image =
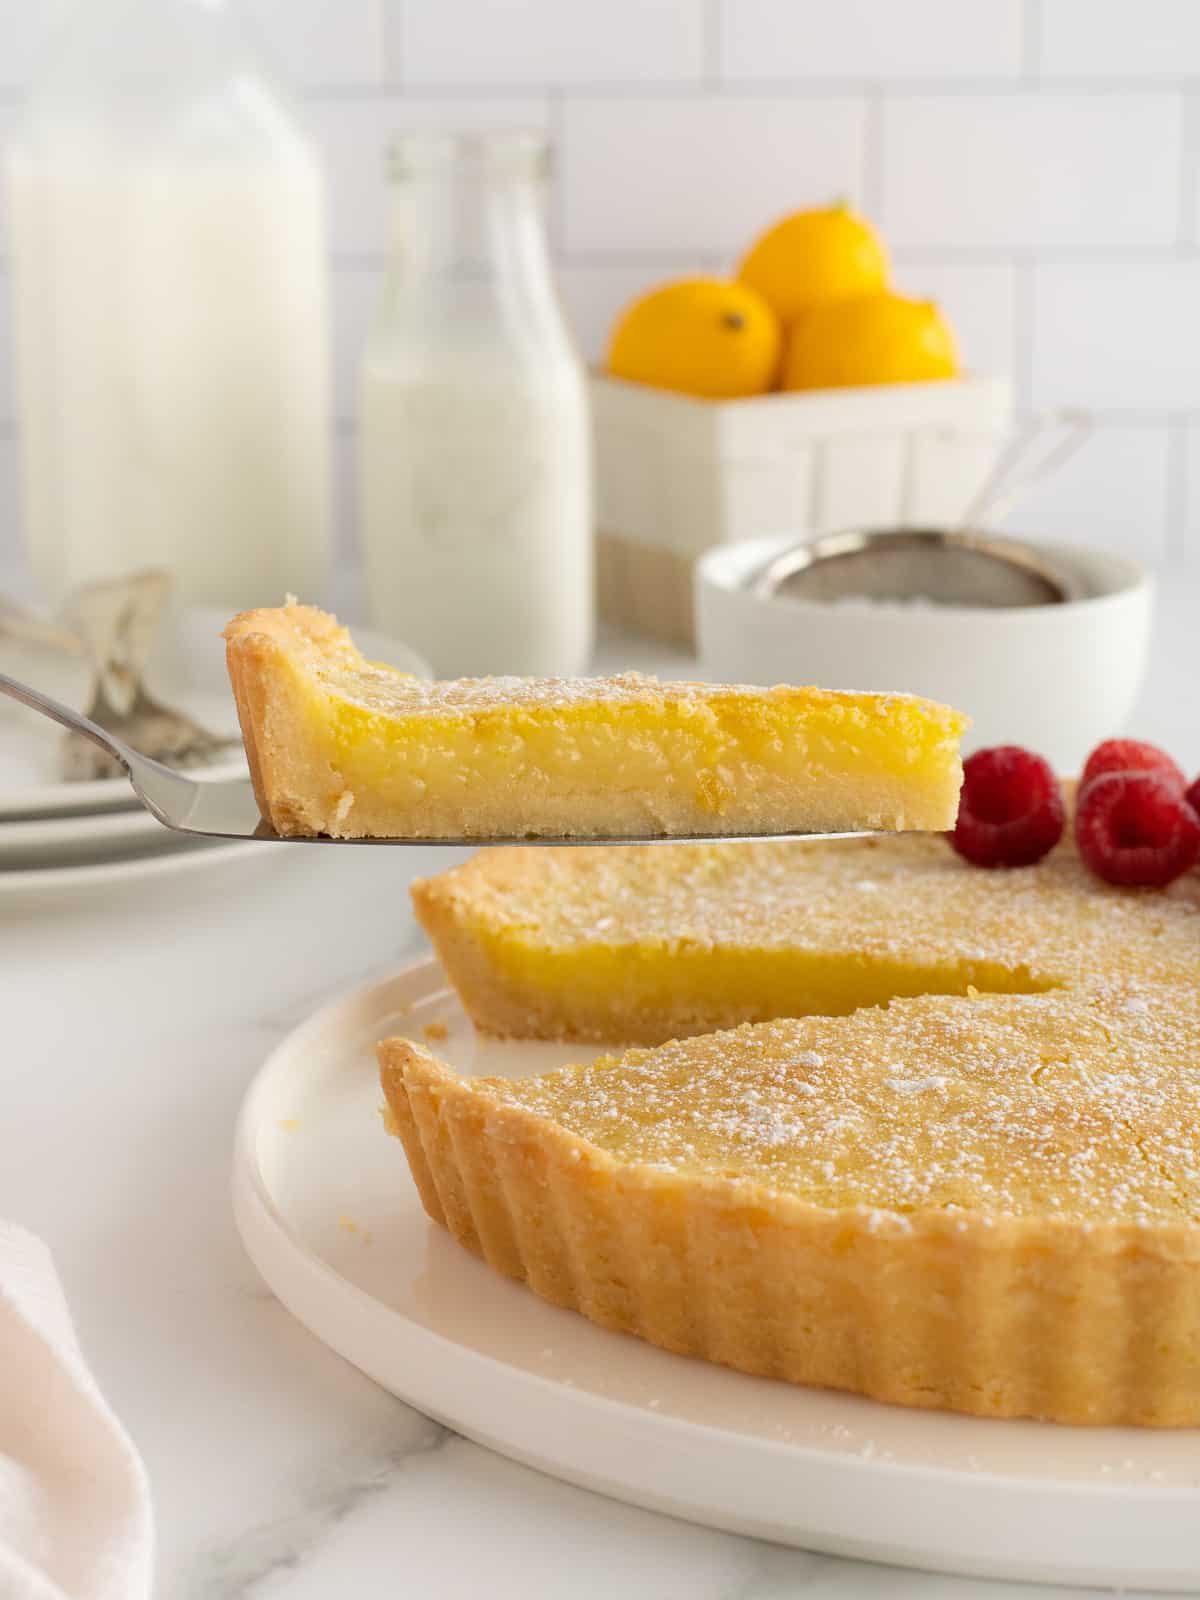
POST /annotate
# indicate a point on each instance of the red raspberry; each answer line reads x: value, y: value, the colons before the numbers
x: 1010, y: 812
x: 1193, y: 797
x: 1136, y: 828
x: 1129, y: 755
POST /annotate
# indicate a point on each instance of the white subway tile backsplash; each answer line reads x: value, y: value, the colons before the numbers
x: 594, y: 296
x: 693, y: 174
x: 1118, y: 337
x: 321, y: 43
x: 876, y: 40
x: 25, y: 32
x: 1027, y: 157
x: 1031, y: 171
x: 1118, y: 39
x: 979, y: 298
x: 1115, y: 492
x: 549, y: 41
x: 860, y: 482
x: 354, y: 135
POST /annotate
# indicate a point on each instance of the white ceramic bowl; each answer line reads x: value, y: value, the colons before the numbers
x: 1056, y: 679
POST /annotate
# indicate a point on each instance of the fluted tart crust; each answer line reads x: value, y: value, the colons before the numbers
x: 988, y: 1204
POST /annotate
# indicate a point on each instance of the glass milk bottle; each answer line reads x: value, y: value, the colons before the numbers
x: 170, y: 312
x: 475, y: 432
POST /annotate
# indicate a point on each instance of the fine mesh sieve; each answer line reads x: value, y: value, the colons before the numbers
x: 917, y: 565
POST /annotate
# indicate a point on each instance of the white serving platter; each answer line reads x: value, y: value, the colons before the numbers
x: 89, y: 837
x: 39, y: 888
x: 328, y: 1213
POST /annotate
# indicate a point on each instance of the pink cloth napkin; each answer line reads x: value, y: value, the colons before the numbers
x: 75, y: 1518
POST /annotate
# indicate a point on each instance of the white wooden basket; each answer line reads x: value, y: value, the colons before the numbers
x: 676, y: 476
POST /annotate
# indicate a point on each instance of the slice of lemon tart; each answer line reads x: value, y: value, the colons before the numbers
x: 629, y: 946
x: 989, y: 1204
x: 339, y: 745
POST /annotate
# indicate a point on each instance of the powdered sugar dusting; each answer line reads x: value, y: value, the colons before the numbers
x: 945, y: 924
x: 1075, y: 1092
x: 381, y: 688
x: 1068, y: 1105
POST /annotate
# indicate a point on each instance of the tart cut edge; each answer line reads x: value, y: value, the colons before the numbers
x: 343, y: 746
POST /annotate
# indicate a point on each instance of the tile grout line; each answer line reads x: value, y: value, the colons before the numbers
x: 389, y: 34
x: 1031, y: 41
x: 706, y: 88
x: 872, y: 177
x: 935, y: 255
x: 1095, y: 254
x: 600, y: 260
x: 1175, y: 544
x: 1023, y: 333
x: 1189, y: 168
x: 710, y: 24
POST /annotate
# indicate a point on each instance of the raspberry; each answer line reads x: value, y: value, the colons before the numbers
x: 1129, y: 755
x: 1193, y: 797
x: 1136, y: 828
x: 1010, y: 812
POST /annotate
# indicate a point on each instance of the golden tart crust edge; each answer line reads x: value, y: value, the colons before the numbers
x: 993, y: 1316
x: 260, y: 650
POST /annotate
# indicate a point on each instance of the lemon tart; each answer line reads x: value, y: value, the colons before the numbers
x: 989, y: 1204
x: 626, y: 946
x: 341, y: 746
x: 901, y: 1186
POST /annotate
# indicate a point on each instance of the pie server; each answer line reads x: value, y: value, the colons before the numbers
x: 225, y: 808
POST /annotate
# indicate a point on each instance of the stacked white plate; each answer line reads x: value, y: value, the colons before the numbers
x: 57, y: 836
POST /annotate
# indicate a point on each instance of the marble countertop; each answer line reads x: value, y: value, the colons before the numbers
x: 132, y: 1026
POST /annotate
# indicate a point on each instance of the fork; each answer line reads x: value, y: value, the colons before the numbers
x: 117, y: 621
x: 225, y: 808
x: 145, y: 725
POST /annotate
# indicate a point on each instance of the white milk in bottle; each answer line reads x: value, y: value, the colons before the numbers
x: 475, y: 433
x: 170, y: 314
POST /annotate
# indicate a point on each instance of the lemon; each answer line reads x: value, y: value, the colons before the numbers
x: 700, y: 336
x: 813, y: 256
x: 873, y: 338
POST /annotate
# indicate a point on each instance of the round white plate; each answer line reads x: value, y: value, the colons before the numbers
x: 54, y: 885
x: 330, y: 1216
x: 187, y: 672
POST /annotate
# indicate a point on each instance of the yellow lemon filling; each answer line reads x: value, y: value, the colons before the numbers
x: 619, y: 945
x: 705, y: 987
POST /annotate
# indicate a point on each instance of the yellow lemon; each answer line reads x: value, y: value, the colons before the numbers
x: 814, y: 256
x: 700, y: 336
x: 875, y: 338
